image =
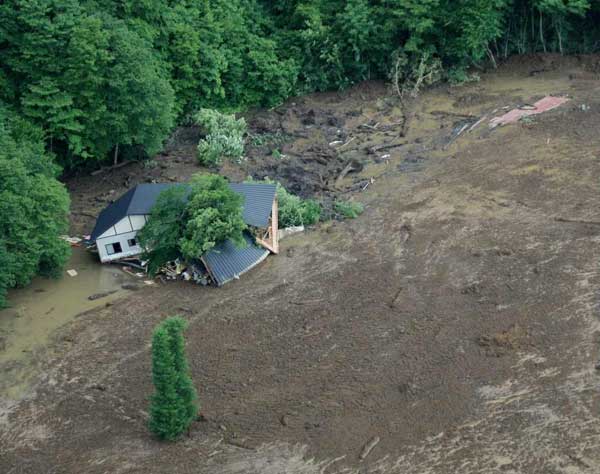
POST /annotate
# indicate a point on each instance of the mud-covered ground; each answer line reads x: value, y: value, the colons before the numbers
x: 456, y: 319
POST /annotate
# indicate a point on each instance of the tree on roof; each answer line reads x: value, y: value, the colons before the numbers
x: 214, y: 214
x: 161, y: 234
x: 189, y: 225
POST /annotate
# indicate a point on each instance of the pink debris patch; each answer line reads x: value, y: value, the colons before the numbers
x: 542, y: 105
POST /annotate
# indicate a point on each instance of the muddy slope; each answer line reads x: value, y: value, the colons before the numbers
x: 456, y: 319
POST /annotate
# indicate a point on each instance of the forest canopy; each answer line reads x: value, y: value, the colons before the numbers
x: 108, y: 79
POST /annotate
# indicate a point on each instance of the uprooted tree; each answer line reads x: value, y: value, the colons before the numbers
x: 187, y: 221
x: 174, y: 404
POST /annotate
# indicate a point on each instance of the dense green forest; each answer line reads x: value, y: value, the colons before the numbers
x: 101, y: 80
x: 105, y: 76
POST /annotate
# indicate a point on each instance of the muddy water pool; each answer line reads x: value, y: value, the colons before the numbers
x: 45, y: 305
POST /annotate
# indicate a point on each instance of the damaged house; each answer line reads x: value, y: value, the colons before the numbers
x: 118, y: 224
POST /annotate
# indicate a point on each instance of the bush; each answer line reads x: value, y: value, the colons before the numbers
x: 224, y: 137
x: 410, y: 75
x: 174, y: 403
x: 349, y: 209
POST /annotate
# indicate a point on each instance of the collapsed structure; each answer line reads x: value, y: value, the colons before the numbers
x: 115, y: 231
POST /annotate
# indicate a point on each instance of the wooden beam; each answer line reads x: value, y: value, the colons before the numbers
x: 275, y: 225
x: 271, y: 240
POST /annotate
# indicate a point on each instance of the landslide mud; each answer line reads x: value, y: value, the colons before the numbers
x: 456, y: 319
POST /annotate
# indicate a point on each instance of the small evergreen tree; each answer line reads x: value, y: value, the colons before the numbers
x: 185, y: 388
x: 173, y: 406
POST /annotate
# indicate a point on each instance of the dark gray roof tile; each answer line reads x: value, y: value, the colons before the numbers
x: 226, y: 261
x: 258, y: 201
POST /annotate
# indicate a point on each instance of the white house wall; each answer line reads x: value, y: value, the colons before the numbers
x: 124, y: 230
x: 128, y: 251
x: 110, y: 231
x: 127, y: 224
x: 137, y: 222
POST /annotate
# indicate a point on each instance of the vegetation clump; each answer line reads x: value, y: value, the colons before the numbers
x: 174, y: 404
x: 224, y: 137
x: 187, y: 221
x: 34, y: 207
x: 294, y: 211
x: 349, y: 209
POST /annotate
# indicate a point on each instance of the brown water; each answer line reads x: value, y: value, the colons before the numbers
x: 44, y: 306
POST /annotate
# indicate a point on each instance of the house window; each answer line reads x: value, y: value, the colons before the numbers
x: 113, y: 248
x: 131, y: 242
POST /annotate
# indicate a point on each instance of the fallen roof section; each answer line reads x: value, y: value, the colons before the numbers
x: 226, y: 261
x: 257, y: 205
x: 542, y: 105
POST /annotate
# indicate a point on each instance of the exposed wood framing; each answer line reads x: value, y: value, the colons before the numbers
x: 270, y: 239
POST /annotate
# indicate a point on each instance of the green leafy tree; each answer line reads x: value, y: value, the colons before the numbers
x: 164, y: 229
x: 140, y: 98
x: 214, y: 214
x: 173, y: 404
x: 558, y: 11
x: 33, y: 207
x: 187, y: 221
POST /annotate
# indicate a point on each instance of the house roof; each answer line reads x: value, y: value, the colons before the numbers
x: 258, y: 201
x: 226, y: 261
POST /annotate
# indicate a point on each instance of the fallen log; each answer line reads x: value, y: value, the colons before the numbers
x: 389, y: 146
x: 576, y: 221
x: 369, y: 447
x: 111, y: 168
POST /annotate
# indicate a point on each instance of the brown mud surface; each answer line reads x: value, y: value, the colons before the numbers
x: 456, y: 319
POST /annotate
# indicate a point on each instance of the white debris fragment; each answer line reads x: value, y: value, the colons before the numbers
x: 282, y: 233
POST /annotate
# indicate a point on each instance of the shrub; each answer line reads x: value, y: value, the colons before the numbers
x: 411, y: 74
x: 224, y: 137
x: 349, y: 209
x: 174, y: 402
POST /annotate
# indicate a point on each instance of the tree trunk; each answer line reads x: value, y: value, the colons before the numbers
x: 559, y: 34
x: 116, y: 157
x: 542, y: 33
x: 491, y: 55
